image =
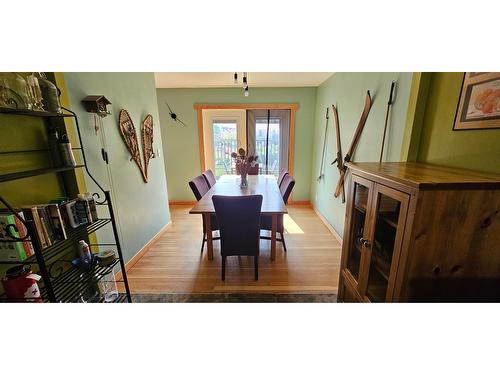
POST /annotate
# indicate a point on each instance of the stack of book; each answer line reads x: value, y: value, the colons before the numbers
x: 52, y: 223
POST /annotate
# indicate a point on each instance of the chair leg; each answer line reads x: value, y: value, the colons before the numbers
x: 283, y: 241
x: 223, y: 275
x: 203, y: 242
x: 256, y: 266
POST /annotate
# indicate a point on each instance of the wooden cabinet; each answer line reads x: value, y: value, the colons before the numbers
x: 417, y: 232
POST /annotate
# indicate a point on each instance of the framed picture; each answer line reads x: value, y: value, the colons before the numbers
x: 479, y: 104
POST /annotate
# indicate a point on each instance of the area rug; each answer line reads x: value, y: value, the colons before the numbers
x: 235, y: 297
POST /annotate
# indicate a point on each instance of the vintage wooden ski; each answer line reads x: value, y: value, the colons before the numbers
x: 338, y: 159
x: 354, y: 143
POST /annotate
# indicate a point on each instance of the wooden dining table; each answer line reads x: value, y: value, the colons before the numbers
x: 265, y: 185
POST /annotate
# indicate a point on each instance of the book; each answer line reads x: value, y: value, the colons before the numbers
x: 10, y: 250
x: 58, y: 225
x: 46, y: 221
x: 31, y: 213
x: 23, y: 231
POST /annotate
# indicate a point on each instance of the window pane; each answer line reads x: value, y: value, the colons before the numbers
x: 225, y: 142
x: 273, y: 144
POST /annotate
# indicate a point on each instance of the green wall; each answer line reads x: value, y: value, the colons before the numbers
x: 141, y: 208
x: 182, y: 156
x: 347, y: 91
x: 439, y: 144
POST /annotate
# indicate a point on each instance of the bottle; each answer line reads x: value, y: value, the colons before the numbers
x: 85, y: 254
x: 50, y: 94
x: 82, y: 209
x: 53, y: 140
x: 14, y: 91
x: 66, y: 152
x: 92, y: 206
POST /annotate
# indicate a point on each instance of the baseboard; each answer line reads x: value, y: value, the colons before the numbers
x: 328, y: 225
x: 300, y: 203
x: 143, y: 251
x: 182, y: 203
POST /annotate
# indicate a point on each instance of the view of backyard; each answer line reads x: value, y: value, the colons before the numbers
x: 225, y: 142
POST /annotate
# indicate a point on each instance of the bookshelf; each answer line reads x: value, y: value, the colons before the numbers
x: 60, y: 280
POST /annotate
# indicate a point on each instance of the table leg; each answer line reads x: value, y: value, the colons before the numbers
x: 274, y: 227
x: 210, y: 243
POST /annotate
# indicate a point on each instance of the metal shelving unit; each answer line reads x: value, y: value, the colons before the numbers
x: 71, y: 283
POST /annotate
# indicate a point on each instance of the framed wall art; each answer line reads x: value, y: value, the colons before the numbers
x: 479, y: 104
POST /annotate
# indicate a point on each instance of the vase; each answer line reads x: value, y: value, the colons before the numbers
x: 244, y: 181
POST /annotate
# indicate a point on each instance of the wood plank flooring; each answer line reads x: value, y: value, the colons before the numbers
x: 174, y: 263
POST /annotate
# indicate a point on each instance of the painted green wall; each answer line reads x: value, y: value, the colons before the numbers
x: 472, y: 149
x: 182, y: 156
x: 141, y: 208
x: 347, y: 91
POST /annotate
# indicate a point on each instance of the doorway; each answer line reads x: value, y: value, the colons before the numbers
x: 263, y: 130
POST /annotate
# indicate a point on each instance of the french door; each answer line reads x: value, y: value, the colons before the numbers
x: 261, y: 132
x: 224, y: 133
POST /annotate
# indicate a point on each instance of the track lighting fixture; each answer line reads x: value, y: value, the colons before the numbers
x: 245, y: 82
x: 246, y: 91
x: 235, y: 78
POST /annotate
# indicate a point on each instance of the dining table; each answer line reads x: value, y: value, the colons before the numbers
x: 229, y: 185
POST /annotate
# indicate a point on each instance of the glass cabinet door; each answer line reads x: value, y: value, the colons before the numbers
x: 358, y: 212
x: 385, y: 242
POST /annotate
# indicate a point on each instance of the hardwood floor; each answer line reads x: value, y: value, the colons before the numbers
x: 174, y: 262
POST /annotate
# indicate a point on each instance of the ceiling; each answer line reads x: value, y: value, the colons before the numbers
x: 220, y: 79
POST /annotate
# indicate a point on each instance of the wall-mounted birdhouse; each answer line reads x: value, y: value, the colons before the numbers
x: 96, y: 104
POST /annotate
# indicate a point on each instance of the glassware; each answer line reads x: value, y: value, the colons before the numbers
x: 50, y: 94
x: 14, y: 91
x: 35, y: 94
x: 107, y: 286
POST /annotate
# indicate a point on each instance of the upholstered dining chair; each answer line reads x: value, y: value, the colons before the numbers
x: 281, y: 176
x: 209, y: 177
x: 239, y: 227
x: 200, y: 187
x: 266, y: 220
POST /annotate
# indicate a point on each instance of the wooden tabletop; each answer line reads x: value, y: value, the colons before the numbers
x: 422, y: 176
x: 265, y: 185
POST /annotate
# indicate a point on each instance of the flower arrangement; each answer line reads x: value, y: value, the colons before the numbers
x: 243, y: 164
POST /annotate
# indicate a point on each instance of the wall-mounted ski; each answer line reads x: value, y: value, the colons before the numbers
x: 354, y: 143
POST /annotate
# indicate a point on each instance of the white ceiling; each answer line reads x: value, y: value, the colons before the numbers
x: 198, y: 79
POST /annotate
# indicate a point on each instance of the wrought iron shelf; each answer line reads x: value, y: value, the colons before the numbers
x: 35, y: 172
x: 25, y: 112
x: 58, y: 247
x: 71, y: 282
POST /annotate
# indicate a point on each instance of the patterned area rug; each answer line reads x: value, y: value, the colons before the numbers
x: 235, y: 297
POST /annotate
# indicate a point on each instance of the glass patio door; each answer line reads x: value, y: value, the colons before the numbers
x: 268, y: 136
x: 224, y: 133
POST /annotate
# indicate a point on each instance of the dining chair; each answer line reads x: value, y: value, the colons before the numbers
x: 281, y: 176
x: 254, y: 170
x: 266, y: 220
x: 209, y: 177
x: 200, y: 187
x: 239, y: 227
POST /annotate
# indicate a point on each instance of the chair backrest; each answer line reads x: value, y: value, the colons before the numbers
x: 239, y: 223
x: 199, y: 186
x: 281, y: 176
x: 254, y: 170
x: 287, y: 187
x: 209, y: 177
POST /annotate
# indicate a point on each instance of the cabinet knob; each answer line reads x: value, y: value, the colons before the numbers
x: 365, y: 243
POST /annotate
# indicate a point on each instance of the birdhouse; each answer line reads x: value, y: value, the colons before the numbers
x: 96, y: 104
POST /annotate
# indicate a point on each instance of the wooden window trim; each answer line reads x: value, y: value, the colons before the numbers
x: 291, y: 106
